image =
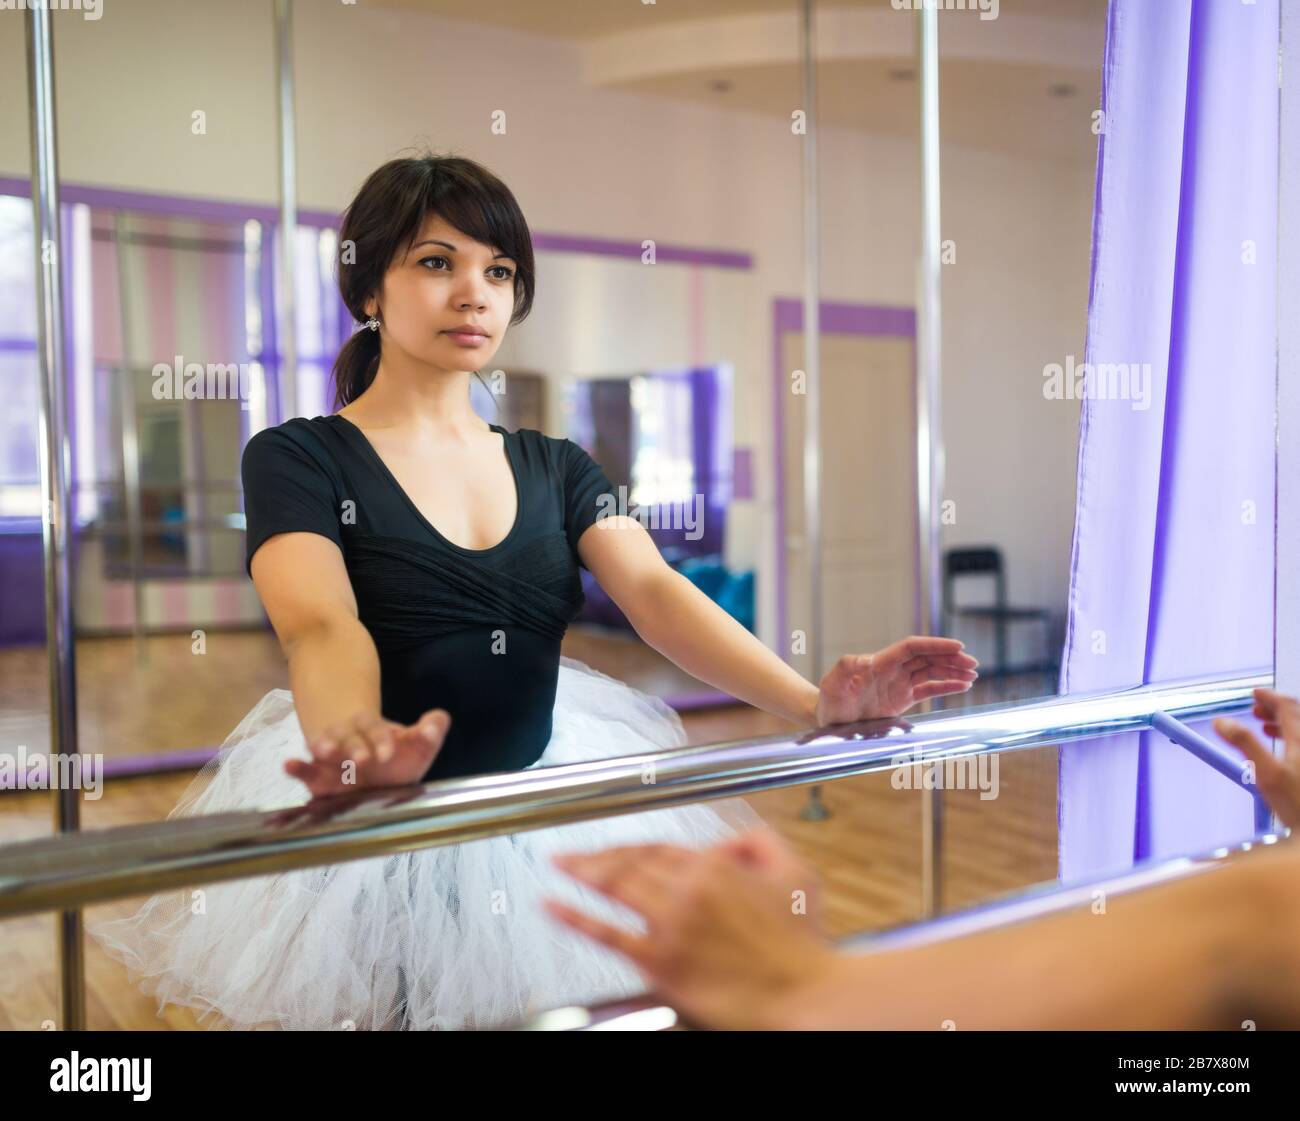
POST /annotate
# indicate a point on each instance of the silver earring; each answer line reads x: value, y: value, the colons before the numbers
x: 372, y: 323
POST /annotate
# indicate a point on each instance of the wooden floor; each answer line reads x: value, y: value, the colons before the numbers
x: 867, y: 852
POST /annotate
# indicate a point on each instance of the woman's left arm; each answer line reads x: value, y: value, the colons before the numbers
x: 672, y: 615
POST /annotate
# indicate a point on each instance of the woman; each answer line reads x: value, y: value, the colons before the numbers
x: 420, y: 567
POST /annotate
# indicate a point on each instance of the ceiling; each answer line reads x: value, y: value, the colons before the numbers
x: 591, y: 19
x: 1025, y: 83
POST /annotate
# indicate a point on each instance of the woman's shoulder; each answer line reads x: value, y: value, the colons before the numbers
x: 557, y: 447
x: 552, y: 450
x: 296, y: 444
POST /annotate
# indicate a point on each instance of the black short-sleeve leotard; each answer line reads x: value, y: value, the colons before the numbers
x: 476, y: 632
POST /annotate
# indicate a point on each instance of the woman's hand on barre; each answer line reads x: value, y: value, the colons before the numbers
x: 369, y: 751
x: 889, y: 682
x: 1278, y: 779
x: 732, y: 931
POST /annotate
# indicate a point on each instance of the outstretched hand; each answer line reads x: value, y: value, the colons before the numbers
x: 369, y: 751
x: 1278, y: 779
x: 889, y: 682
x: 733, y: 932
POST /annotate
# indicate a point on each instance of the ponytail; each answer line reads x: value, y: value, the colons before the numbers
x: 356, y: 366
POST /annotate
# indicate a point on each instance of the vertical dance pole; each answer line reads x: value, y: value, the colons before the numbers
x: 815, y: 809
x: 929, y: 429
x: 56, y: 507
x: 1286, y: 602
x: 286, y: 275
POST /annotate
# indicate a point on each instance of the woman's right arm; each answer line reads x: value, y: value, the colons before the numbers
x: 333, y: 663
x: 334, y: 673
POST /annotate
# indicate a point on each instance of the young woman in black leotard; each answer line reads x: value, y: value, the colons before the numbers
x: 420, y: 567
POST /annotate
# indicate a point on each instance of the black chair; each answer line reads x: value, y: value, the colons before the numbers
x: 986, y: 561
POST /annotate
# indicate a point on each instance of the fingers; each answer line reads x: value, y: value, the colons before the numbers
x: 365, y: 737
x: 957, y: 662
x: 1244, y: 741
x: 367, y: 741
x: 433, y: 725
x: 635, y: 947
x: 319, y: 778
x: 642, y: 877
x: 372, y: 738
x: 939, y: 689
x: 916, y: 645
x: 1279, y: 712
x: 933, y: 672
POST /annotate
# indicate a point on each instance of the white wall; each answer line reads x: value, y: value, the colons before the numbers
x: 374, y: 83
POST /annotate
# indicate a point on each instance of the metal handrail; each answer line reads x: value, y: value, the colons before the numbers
x: 648, y: 1013
x: 99, y: 865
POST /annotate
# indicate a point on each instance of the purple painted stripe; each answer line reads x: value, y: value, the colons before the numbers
x: 141, y: 766
x: 223, y: 210
x: 849, y: 319
x: 136, y: 766
x: 742, y: 473
x: 175, y: 205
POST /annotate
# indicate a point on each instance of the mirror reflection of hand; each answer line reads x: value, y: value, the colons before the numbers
x: 367, y: 750
x: 1278, y: 779
x: 889, y: 682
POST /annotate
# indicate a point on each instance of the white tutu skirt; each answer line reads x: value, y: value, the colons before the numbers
x: 450, y: 937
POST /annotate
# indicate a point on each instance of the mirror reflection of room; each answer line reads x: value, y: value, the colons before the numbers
x: 830, y: 492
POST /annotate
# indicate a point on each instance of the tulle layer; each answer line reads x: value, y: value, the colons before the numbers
x: 452, y: 937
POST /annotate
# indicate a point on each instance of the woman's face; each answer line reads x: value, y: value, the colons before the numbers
x: 445, y: 281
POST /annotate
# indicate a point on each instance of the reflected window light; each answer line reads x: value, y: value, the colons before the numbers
x: 309, y: 314
x: 20, y: 489
x: 253, y: 288
x: 663, y: 464
x: 86, y: 496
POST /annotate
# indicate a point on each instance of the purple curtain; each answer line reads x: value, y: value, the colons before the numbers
x: 1172, y: 566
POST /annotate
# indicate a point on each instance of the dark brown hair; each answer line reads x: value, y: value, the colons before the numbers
x: 384, y: 220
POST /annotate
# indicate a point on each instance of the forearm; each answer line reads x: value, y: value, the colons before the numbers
x: 1205, y: 953
x: 687, y: 627
x: 334, y: 674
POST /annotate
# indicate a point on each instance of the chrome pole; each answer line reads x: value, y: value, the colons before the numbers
x: 929, y: 426
x: 812, y: 461
x: 286, y: 274
x: 815, y: 809
x: 56, y: 505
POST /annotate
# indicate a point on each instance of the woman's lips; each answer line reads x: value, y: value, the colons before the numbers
x: 466, y: 339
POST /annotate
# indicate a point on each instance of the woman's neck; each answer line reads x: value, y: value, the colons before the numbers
x: 433, y: 404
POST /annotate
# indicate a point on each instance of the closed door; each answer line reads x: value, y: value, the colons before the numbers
x: 868, y: 488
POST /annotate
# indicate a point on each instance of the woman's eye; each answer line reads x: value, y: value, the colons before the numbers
x: 509, y: 272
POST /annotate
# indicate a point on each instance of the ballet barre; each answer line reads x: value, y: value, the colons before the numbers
x: 93, y: 866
